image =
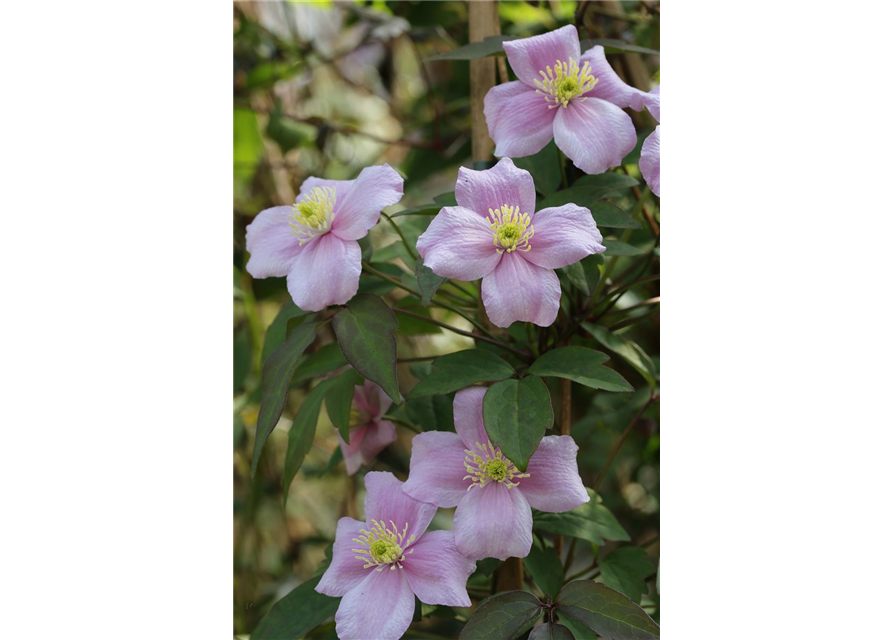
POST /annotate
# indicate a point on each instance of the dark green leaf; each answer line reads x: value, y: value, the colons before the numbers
x: 374, y: 284
x: 606, y: 214
x: 462, y: 369
x: 431, y: 413
x: 581, y: 365
x: 616, y: 46
x: 276, y: 332
x: 296, y: 614
x: 446, y: 199
x: 488, y: 565
x: 544, y: 168
x: 288, y: 133
x: 584, y: 275
x: 607, y: 612
x: 275, y: 378
x: 241, y: 359
x: 422, y: 210
x: 301, y: 434
x: 487, y: 47
x: 322, y: 361
x: 503, y: 617
x: 625, y: 570
x: 516, y: 416
x: 551, y: 631
x: 626, y: 349
x: 410, y: 325
x: 546, y: 568
x: 365, y: 332
x: 620, y: 248
x: 428, y: 281
x: 591, y: 521
x: 366, y: 248
x: 607, y: 181
x: 338, y: 401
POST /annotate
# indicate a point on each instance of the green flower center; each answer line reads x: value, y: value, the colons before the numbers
x: 512, y: 230
x: 313, y: 216
x: 565, y: 81
x: 490, y: 466
x: 382, y: 546
x: 497, y: 470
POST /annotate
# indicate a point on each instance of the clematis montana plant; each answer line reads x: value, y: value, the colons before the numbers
x: 649, y: 163
x: 493, y: 498
x: 314, y: 241
x: 379, y: 566
x: 577, y: 100
x: 494, y: 234
x: 369, y: 434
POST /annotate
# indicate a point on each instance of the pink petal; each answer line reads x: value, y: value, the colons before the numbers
x: 271, y: 244
x: 519, y: 119
x: 653, y: 102
x: 326, y: 271
x: 520, y: 290
x: 341, y: 187
x: 437, y: 469
x: 595, y: 134
x: 609, y: 86
x: 345, y: 572
x: 562, y: 236
x: 380, y: 607
x: 379, y: 434
x: 353, y: 455
x: 649, y: 162
x: 493, y: 522
x: 468, y: 416
x: 437, y: 572
x: 505, y: 183
x: 529, y: 56
x: 554, y: 484
x: 360, y: 208
x: 372, y: 399
x: 458, y: 244
x: 385, y: 501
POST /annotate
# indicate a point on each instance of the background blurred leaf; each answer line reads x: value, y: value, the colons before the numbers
x: 288, y: 133
x: 301, y: 434
x: 516, y: 415
x: 616, y: 46
x: 241, y: 359
x: 591, y: 521
x: 487, y: 47
x: 626, y: 349
x: 620, y: 248
x: 544, y: 168
x: 428, y: 281
x: 276, y: 332
x: 606, y: 214
x: 431, y: 413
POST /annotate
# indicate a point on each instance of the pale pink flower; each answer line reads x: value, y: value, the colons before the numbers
x: 314, y: 241
x: 490, y: 235
x: 369, y: 434
x: 379, y: 564
x: 649, y: 162
x: 576, y: 99
x: 493, y: 498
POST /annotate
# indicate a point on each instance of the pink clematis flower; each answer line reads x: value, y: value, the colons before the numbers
x: 576, y: 99
x: 379, y: 564
x: 490, y: 235
x: 369, y: 434
x: 649, y: 162
x: 314, y: 241
x: 464, y: 470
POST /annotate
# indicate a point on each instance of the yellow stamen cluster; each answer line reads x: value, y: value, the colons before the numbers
x: 512, y: 229
x: 490, y: 465
x: 564, y: 82
x: 383, y: 546
x: 313, y: 216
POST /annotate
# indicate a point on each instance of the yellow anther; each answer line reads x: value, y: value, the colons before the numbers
x: 384, y: 546
x: 512, y: 229
x: 565, y: 81
x: 490, y: 465
x: 313, y: 216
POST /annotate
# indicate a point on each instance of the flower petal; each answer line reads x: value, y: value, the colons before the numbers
x: 437, y: 469
x: 360, y: 208
x: 372, y: 399
x: 341, y: 187
x: 609, y: 86
x: 326, y: 271
x: 437, y: 572
x: 520, y: 290
x: 529, y: 56
x: 385, y: 501
x: 271, y: 244
x: 468, y: 416
x: 649, y: 162
x: 379, y: 434
x: 345, y: 572
x: 458, y: 244
x: 653, y: 102
x: 353, y: 456
x: 519, y: 119
x: 554, y: 484
x: 595, y: 134
x: 562, y: 236
x: 493, y: 522
x: 380, y: 607
x: 505, y: 183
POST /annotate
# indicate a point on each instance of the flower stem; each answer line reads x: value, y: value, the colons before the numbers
x: 402, y: 237
x: 462, y: 332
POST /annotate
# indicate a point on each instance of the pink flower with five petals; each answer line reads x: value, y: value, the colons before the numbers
x: 369, y: 434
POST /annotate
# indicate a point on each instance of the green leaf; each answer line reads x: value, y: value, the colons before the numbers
x: 581, y: 365
x: 605, y: 611
x: 431, y: 413
x: 422, y: 210
x: 516, y: 415
x: 487, y: 47
x: 625, y: 570
x: 545, y: 566
x: 620, y: 248
x: 446, y: 199
x: 365, y: 332
x: 544, y: 168
x: 616, y: 46
x: 551, y: 631
x: 607, y: 181
x: 410, y: 325
x: 241, y: 359
x: 591, y: 521
x: 322, y: 361
x: 301, y: 434
x: 462, y: 369
x: 288, y: 133
x: 503, y: 617
x: 584, y: 275
x: 428, y: 281
x: 275, y: 378
x: 606, y: 214
x: 276, y: 332
x: 488, y: 565
x: 338, y: 401
x: 296, y: 614
x: 626, y: 349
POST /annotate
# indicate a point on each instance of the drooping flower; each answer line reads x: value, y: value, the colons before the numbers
x: 465, y: 470
x: 490, y: 235
x: 576, y: 99
x: 649, y: 162
x: 314, y: 241
x: 379, y: 564
x: 369, y: 434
